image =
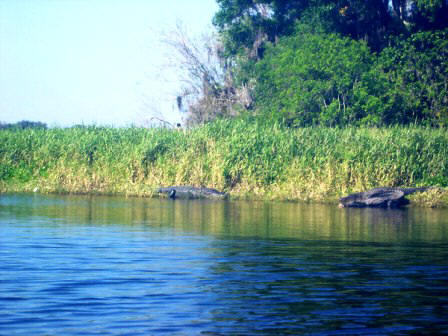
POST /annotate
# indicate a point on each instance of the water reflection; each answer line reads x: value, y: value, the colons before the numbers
x: 238, y: 219
x: 76, y: 265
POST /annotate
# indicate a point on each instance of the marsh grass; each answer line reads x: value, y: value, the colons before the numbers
x: 247, y: 159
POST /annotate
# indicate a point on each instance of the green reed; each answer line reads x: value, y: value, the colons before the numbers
x: 249, y: 159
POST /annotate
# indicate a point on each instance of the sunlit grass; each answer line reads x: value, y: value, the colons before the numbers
x: 247, y: 159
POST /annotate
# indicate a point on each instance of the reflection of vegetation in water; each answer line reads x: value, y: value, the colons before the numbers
x: 245, y: 158
x: 257, y: 220
x: 242, y: 266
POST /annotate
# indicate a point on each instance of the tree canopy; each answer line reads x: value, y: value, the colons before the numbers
x: 331, y: 62
x: 316, y: 78
x: 244, y: 23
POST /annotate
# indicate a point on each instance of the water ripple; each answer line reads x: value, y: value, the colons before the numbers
x: 83, y: 278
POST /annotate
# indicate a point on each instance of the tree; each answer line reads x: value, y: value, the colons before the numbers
x: 430, y: 14
x: 24, y: 124
x: 417, y: 74
x: 208, y: 90
x: 246, y: 25
x: 311, y: 78
x: 318, y: 78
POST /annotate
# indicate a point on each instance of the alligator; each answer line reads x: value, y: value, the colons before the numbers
x: 379, y: 198
x: 189, y: 192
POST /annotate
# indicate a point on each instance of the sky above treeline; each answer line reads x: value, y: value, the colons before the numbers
x: 102, y: 62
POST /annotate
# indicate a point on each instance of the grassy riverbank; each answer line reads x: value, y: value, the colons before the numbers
x: 246, y: 159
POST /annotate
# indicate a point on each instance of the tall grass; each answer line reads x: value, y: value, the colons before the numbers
x: 248, y: 159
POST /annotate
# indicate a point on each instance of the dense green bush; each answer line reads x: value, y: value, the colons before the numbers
x: 416, y: 71
x: 313, y: 78
x: 319, y: 78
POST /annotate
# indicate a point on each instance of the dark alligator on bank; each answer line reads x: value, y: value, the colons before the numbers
x: 379, y: 198
x: 189, y: 192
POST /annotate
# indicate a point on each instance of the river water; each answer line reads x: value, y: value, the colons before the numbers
x: 79, y: 265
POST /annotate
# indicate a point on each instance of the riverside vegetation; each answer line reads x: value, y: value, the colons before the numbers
x: 290, y: 100
x: 247, y: 158
x: 307, y: 66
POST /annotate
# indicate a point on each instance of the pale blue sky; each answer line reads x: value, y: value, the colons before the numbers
x: 66, y: 62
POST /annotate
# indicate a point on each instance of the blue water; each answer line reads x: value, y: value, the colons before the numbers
x: 73, y: 265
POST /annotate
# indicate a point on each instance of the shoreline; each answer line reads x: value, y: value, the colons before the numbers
x: 248, y: 160
x: 437, y: 198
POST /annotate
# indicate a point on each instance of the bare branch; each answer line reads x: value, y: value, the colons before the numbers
x: 208, y: 90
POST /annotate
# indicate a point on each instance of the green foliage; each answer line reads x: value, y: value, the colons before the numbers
x: 339, y: 62
x: 314, y: 78
x: 241, y: 22
x: 417, y: 76
x: 245, y: 157
x: 319, y: 78
x: 430, y: 15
